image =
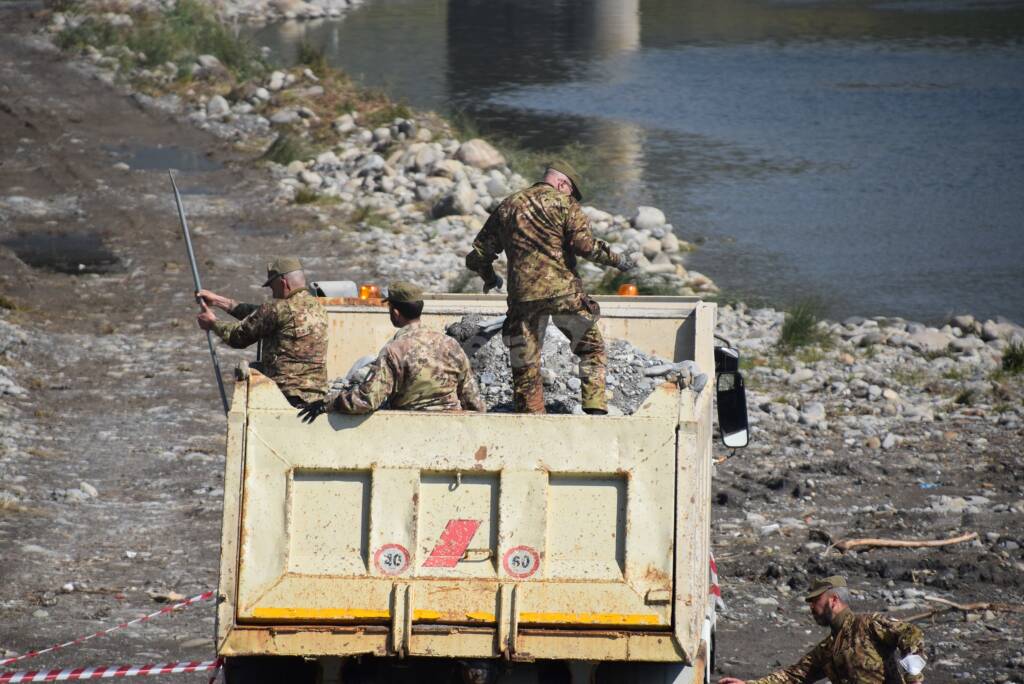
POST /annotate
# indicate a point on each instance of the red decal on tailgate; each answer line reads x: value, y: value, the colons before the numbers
x: 453, y: 543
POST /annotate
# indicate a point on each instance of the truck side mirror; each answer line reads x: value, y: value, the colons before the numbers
x: 732, y: 398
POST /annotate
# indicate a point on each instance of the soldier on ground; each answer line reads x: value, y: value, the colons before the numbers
x: 543, y: 230
x: 862, y: 648
x: 418, y: 370
x: 292, y: 327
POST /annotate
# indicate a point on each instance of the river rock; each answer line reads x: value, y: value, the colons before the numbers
x: 928, y: 339
x: 209, y: 62
x: 992, y: 330
x: 448, y: 168
x: 651, y: 248
x: 813, y: 413
x: 426, y: 157
x: 460, y: 200
x: 648, y: 218
x: 479, y: 154
x: 344, y: 124
x: 276, y: 81
x: 311, y: 178
x: 284, y: 117
x: 217, y: 107
x: 670, y: 243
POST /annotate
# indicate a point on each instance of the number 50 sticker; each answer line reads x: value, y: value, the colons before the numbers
x: 521, y: 561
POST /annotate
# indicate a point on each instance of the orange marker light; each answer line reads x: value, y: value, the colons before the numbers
x: 628, y: 290
x: 369, y: 291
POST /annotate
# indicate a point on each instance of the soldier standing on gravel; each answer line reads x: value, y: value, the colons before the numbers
x: 543, y: 230
x: 292, y: 327
x: 862, y: 649
x: 418, y: 370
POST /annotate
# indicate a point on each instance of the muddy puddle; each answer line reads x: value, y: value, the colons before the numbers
x: 162, y: 158
x: 72, y: 253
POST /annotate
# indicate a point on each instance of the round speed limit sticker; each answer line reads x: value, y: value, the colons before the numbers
x: 521, y: 561
x: 391, y: 559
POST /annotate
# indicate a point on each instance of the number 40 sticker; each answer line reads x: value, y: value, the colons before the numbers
x: 521, y: 561
x: 391, y: 559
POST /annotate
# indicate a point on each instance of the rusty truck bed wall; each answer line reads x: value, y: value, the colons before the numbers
x: 467, y: 535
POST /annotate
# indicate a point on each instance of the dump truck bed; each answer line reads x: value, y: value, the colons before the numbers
x: 472, y: 535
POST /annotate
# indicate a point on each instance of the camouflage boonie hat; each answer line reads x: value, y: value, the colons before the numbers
x: 281, y: 265
x: 567, y: 169
x: 820, y: 586
x: 400, y: 292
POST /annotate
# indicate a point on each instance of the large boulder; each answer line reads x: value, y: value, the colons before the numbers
x: 480, y: 154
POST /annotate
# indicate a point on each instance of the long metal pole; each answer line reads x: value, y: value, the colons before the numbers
x: 195, y: 279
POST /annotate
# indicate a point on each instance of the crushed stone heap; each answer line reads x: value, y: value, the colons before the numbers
x: 631, y: 376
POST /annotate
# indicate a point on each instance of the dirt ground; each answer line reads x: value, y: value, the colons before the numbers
x: 120, y: 396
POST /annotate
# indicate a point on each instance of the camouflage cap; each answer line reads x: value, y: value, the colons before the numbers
x: 280, y: 266
x: 401, y: 291
x: 820, y: 586
x: 567, y: 169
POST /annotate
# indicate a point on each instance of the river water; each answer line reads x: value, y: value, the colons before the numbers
x: 869, y: 155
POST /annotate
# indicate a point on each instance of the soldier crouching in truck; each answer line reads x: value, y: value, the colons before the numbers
x: 292, y: 327
x: 418, y: 370
x: 862, y: 648
x: 542, y: 229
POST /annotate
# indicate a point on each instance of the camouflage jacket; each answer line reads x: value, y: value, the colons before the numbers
x: 858, y: 651
x: 294, y: 336
x: 542, y: 231
x: 418, y: 370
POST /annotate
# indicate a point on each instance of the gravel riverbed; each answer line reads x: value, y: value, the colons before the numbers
x: 111, y: 438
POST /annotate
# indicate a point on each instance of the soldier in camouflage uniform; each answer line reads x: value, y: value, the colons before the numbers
x: 862, y: 649
x: 418, y: 370
x: 543, y: 230
x: 292, y: 327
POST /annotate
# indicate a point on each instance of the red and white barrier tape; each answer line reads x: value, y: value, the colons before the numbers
x: 715, y: 589
x: 80, y: 673
x: 205, y: 596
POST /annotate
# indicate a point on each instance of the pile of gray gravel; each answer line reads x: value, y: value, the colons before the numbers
x: 626, y: 377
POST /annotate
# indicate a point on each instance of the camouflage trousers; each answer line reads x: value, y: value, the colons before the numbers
x: 576, y: 316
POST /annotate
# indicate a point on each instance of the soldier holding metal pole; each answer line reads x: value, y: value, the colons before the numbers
x: 199, y: 287
x: 292, y: 327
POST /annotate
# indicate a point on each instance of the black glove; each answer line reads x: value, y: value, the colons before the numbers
x: 495, y: 284
x: 626, y: 263
x: 310, y: 411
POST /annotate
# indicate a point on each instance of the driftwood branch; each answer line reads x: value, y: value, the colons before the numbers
x: 847, y: 544
x: 950, y: 606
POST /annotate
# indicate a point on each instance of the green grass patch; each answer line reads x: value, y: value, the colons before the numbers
x: 177, y: 34
x: 956, y: 373
x: 911, y: 377
x: 369, y: 217
x: 306, y: 196
x: 965, y: 397
x: 285, y: 149
x: 800, y: 328
x: 313, y: 57
x: 8, y: 303
x: 932, y: 354
x: 1013, y: 358
x: 385, y: 115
